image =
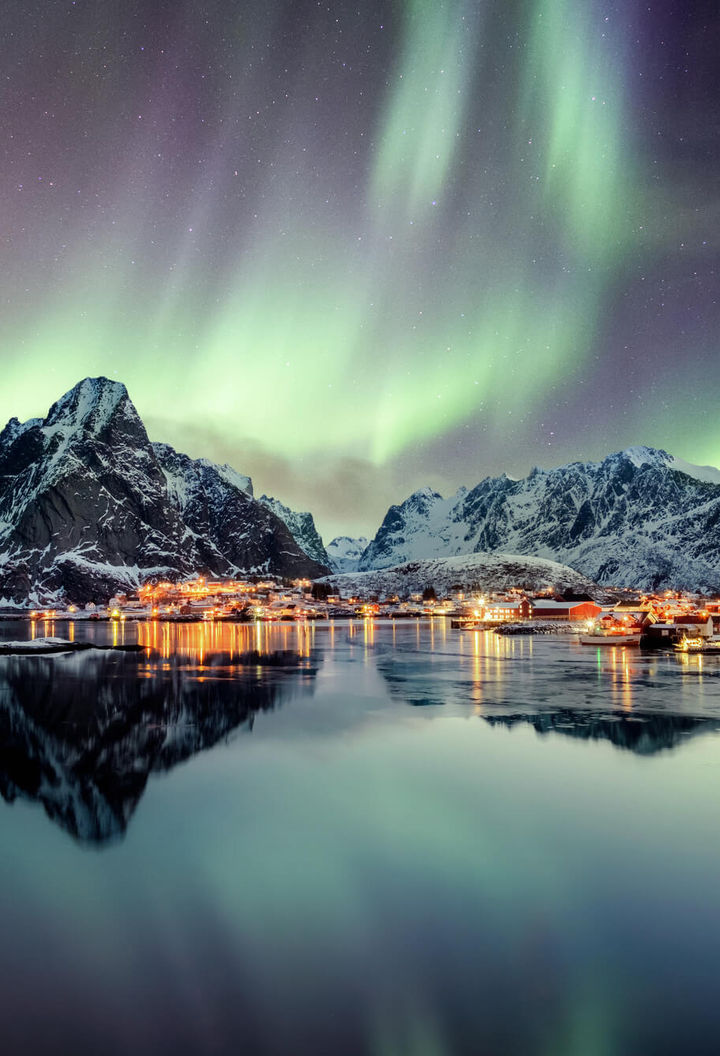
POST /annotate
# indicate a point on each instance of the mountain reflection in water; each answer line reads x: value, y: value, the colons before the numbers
x: 643, y: 735
x: 352, y: 872
x: 637, y: 702
x: 81, y: 733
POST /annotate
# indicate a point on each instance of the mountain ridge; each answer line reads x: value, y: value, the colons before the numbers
x: 637, y: 518
x: 89, y: 506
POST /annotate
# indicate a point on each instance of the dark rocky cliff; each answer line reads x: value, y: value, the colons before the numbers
x: 89, y: 506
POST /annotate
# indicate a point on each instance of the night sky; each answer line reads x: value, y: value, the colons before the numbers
x: 356, y: 248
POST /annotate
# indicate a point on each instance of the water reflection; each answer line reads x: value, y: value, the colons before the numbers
x: 363, y: 875
x: 196, y: 641
x: 643, y: 735
x: 646, y: 703
x: 81, y: 733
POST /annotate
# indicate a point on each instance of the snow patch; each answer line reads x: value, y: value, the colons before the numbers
x: 706, y: 474
x: 36, y: 645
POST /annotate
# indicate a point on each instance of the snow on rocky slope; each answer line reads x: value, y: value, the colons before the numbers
x: 89, y: 506
x: 639, y: 518
x: 302, y: 528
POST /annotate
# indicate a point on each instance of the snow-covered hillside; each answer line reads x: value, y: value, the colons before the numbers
x: 478, y: 572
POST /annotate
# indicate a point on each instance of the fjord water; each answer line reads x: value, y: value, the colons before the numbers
x: 355, y: 838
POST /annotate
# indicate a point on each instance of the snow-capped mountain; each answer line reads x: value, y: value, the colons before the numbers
x: 89, y: 506
x: 344, y: 553
x: 302, y: 528
x: 640, y: 518
x: 475, y: 572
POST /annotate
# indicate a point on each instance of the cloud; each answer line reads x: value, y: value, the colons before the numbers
x: 346, y: 495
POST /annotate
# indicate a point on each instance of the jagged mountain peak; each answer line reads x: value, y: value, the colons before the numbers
x: 638, y: 456
x: 15, y: 429
x: 91, y: 405
x: 424, y: 496
x: 231, y: 476
x: 644, y: 456
x: 169, y: 458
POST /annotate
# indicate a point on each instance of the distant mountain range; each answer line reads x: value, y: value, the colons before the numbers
x: 89, y: 506
x: 640, y: 518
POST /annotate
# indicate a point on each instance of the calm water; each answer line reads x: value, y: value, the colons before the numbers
x: 394, y: 840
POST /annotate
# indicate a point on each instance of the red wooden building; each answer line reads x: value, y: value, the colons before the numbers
x: 559, y: 609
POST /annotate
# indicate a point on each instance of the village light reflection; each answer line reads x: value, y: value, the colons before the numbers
x: 489, y: 654
x: 477, y: 694
x: 207, y: 643
x: 627, y: 684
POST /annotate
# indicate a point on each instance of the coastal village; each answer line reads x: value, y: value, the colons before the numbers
x: 269, y: 600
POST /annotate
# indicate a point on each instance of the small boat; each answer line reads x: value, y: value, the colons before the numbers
x: 698, y: 645
x: 611, y: 633
x: 593, y: 638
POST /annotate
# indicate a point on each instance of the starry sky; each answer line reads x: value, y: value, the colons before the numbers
x: 357, y: 248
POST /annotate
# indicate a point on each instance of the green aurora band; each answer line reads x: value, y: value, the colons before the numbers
x: 372, y: 287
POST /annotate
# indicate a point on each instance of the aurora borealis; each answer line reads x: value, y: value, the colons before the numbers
x: 357, y: 248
